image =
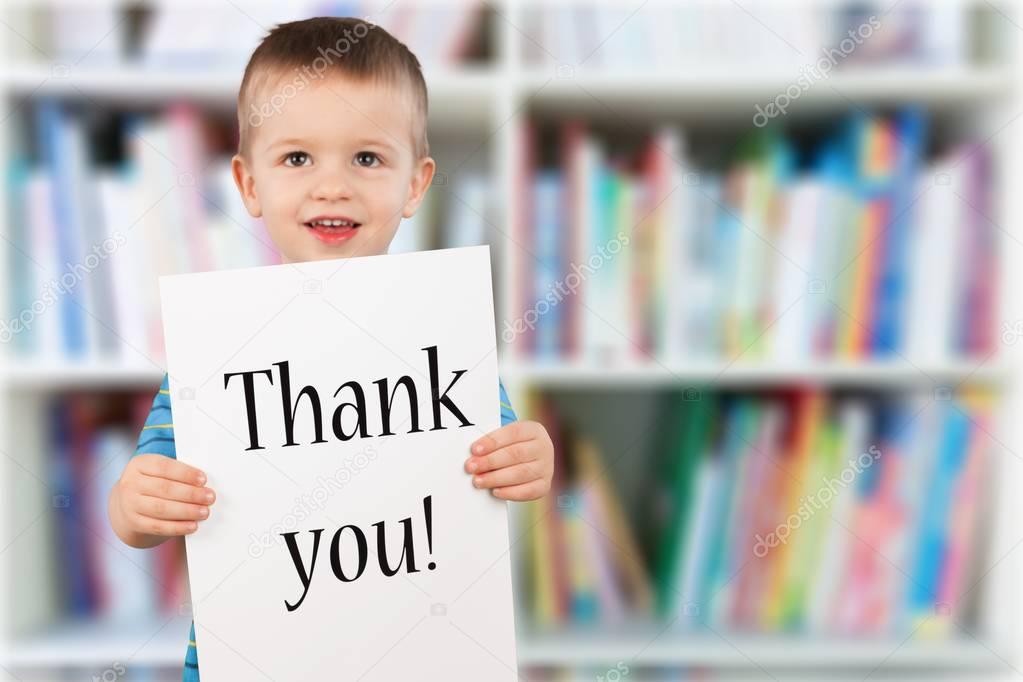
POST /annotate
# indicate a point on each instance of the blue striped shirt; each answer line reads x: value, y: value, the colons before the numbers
x: 157, y: 437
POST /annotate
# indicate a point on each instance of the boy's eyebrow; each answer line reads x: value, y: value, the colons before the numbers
x: 291, y: 141
x: 298, y: 142
x: 379, y: 142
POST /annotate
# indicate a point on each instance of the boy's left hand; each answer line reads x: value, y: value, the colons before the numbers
x: 515, y: 461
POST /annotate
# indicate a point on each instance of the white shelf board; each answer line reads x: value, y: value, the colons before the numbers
x: 866, y: 374
x: 59, y: 375
x: 746, y: 651
x: 582, y: 90
x: 161, y: 643
x: 157, y: 644
x: 478, y: 84
x: 457, y: 98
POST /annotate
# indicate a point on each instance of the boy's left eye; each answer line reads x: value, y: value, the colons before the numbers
x: 291, y: 156
x: 366, y: 159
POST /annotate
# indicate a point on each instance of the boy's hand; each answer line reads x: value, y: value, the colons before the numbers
x: 157, y: 497
x: 515, y: 461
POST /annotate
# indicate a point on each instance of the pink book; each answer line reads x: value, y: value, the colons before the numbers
x: 185, y: 134
x: 599, y: 555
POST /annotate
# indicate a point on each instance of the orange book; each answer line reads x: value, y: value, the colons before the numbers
x: 807, y: 416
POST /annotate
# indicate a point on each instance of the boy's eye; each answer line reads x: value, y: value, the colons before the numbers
x: 366, y: 159
x: 295, y: 156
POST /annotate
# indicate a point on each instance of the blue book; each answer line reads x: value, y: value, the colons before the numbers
x: 736, y: 435
x: 68, y: 507
x: 910, y: 133
x: 549, y: 228
x: 54, y: 126
x: 933, y: 532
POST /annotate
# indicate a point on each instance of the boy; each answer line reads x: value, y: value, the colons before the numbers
x: 331, y: 161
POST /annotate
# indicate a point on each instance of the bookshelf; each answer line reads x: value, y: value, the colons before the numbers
x: 475, y: 113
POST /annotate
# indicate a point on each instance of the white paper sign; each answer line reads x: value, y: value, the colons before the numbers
x: 349, y: 544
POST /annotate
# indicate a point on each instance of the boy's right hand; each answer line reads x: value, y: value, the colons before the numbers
x: 158, y: 497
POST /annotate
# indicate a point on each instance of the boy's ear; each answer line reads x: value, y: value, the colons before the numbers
x: 421, y: 180
x: 246, y: 186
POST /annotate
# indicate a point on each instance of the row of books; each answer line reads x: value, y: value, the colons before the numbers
x: 795, y: 512
x: 702, y: 35
x: 856, y: 246
x: 91, y: 239
x: 99, y: 578
x: 192, y: 36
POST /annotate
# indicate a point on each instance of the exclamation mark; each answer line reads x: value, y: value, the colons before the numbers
x: 428, y: 512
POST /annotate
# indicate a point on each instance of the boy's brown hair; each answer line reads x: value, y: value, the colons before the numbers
x: 320, y: 46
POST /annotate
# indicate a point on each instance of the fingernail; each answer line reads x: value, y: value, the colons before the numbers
x: 477, y: 481
x: 204, y: 512
x: 209, y: 497
x: 192, y: 526
x: 472, y: 466
x: 201, y: 478
x: 477, y: 448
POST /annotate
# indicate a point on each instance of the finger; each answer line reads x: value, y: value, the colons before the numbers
x: 161, y: 527
x: 503, y: 437
x: 508, y: 476
x: 516, y: 453
x: 168, y: 467
x: 169, y: 510
x: 172, y: 490
x: 533, y: 490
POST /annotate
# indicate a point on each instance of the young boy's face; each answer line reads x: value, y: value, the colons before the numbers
x: 338, y: 150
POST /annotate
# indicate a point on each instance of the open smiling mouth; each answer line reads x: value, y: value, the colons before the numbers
x: 333, y: 230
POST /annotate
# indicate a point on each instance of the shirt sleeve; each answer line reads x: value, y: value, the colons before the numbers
x: 507, y: 413
x: 157, y: 436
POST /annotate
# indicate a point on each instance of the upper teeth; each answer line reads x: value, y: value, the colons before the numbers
x: 334, y: 223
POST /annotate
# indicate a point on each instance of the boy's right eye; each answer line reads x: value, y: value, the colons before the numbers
x: 293, y: 155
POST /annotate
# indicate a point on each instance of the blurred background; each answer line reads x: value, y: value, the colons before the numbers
x: 754, y: 265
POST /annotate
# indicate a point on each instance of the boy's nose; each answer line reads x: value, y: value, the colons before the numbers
x: 331, y: 187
